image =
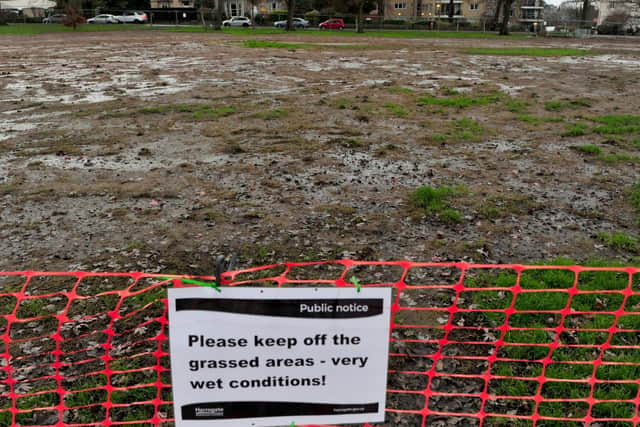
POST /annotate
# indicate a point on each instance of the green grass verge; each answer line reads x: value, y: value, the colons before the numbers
x: 528, y: 51
x: 28, y: 29
x: 399, y: 34
x: 238, y: 31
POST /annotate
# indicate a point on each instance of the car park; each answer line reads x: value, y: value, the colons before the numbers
x: 237, y: 21
x: 133, y: 17
x: 295, y: 22
x: 58, y: 18
x: 104, y: 19
x: 332, y: 24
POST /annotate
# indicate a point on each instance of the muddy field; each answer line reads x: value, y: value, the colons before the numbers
x: 154, y: 151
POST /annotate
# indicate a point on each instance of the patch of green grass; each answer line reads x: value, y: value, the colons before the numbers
x: 29, y: 29
x: 541, y: 301
x: 403, y: 90
x: 588, y: 149
x: 439, y: 137
x: 558, y: 105
x: 634, y: 199
x: 634, y: 196
x: 198, y: 111
x: 620, y: 241
x: 619, y: 158
x: 84, y: 398
x: 235, y: 31
x: 617, y: 124
x: 414, y: 34
x: 435, y: 200
x: 535, y: 120
x: 396, y: 110
x: 555, y: 300
x: 278, y: 113
x: 459, y: 101
x: 467, y: 130
x: 528, y: 51
x: 517, y: 106
x: 577, y: 129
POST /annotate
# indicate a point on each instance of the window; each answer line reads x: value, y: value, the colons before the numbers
x: 474, y: 6
x: 400, y: 5
x: 274, y: 6
x: 186, y: 2
x: 529, y: 14
x: 612, y: 5
x: 443, y: 9
x: 233, y: 7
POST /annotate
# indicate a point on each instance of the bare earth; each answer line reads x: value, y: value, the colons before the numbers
x: 153, y: 151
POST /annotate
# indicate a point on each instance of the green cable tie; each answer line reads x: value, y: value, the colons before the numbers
x: 355, y: 282
x: 213, y: 285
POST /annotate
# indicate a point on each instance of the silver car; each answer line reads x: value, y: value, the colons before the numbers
x: 103, y: 19
x: 295, y: 22
x: 58, y: 18
x: 133, y: 18
x: 237, y: 21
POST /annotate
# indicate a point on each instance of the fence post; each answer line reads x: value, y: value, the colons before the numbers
x: 176, y: 15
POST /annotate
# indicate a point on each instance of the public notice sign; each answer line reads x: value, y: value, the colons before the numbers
x: 270, y: 357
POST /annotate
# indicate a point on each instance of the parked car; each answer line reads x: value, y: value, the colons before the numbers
x: 295, y: 22
x: 237, y: 21
x: 129, y: 17
x: 332, y: 24
x: 58, y: 18
x: 103, y: 19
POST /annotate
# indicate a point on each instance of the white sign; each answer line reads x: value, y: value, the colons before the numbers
x: 270, y: 357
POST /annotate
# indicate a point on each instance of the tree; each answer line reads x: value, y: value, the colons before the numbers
x: 73, y: 18
x: 506, y: 13
x: 451, y: 10
x: 217, y: 22
x: 503, y: 8
x: 291, y: 4
x: 3, y: 16
x: 358, y: 7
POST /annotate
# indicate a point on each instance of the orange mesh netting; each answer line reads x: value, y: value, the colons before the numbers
x: 471, y: 344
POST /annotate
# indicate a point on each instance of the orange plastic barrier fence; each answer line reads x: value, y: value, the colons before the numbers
x: 485, y: 345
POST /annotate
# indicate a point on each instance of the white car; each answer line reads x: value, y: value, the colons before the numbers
x: 295, y: 23
x: 237, y: 21
x: 133, y: 18
x: 103, y: 19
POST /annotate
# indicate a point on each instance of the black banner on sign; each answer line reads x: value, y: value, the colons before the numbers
x: 231, y: 410
x: 306, y: 308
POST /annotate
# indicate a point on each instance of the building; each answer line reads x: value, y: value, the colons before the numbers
x: 615, y: 11
x: 526, y: 12
x: 231, y: 7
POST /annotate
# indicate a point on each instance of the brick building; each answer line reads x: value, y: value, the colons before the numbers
x: 525, y: 12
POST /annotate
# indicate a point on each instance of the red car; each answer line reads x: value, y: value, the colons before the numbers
x: 332, y: 24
